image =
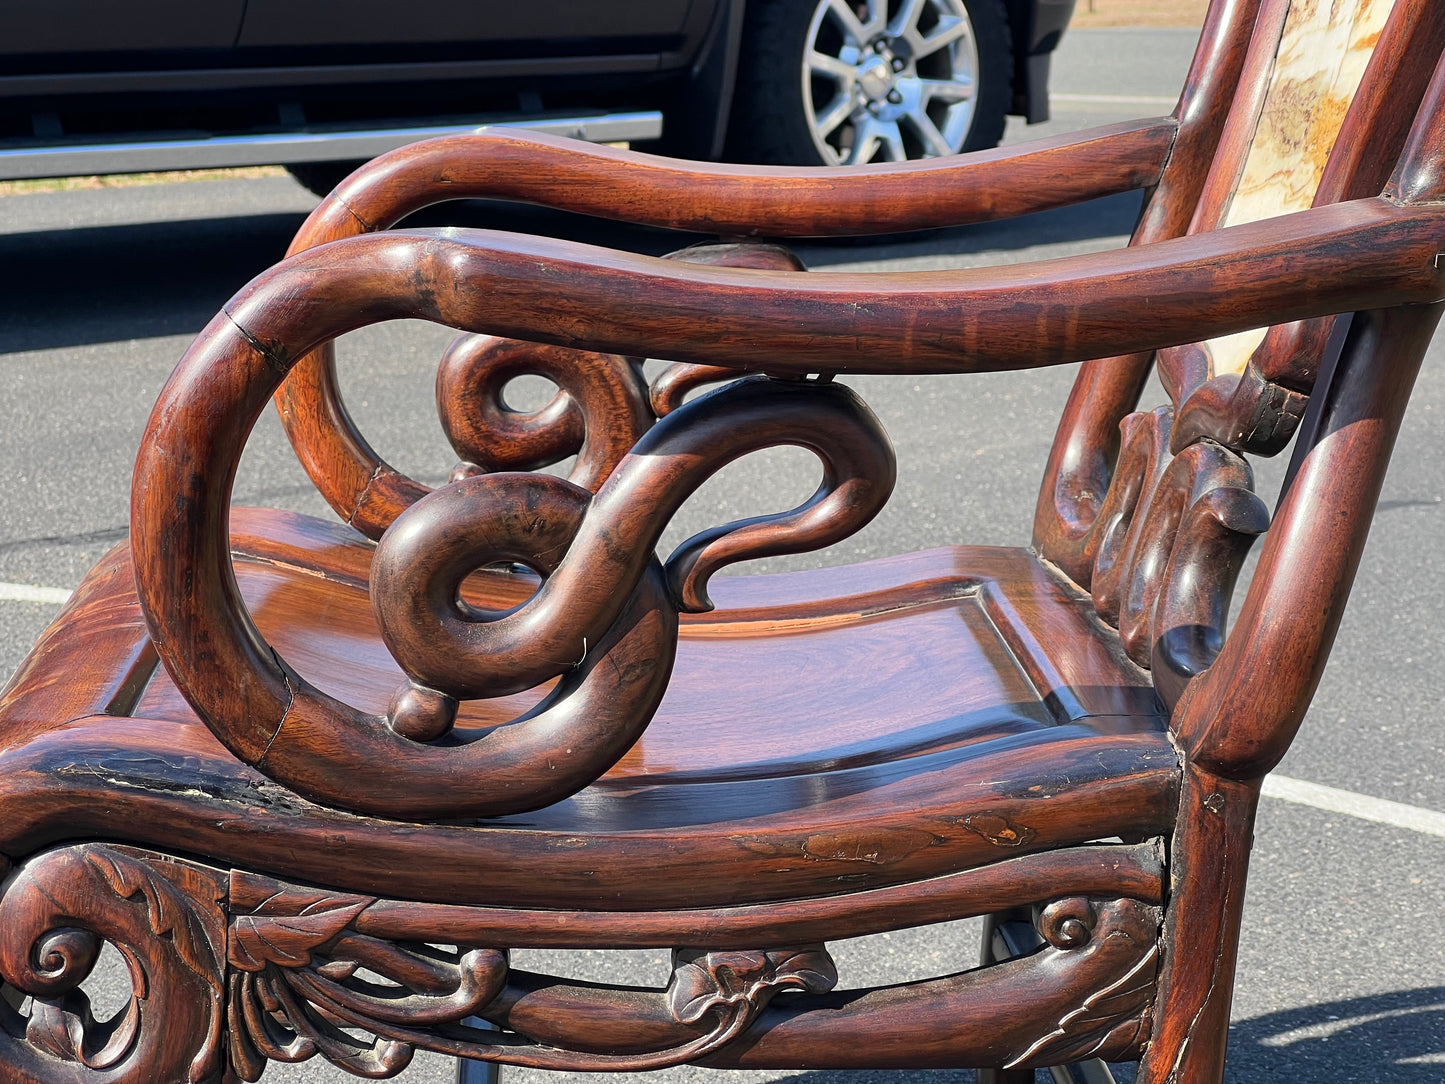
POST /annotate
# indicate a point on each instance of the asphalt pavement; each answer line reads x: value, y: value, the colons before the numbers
x: 1342, y: 969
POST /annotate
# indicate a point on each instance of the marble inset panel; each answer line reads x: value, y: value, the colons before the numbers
x: 1323, y: 52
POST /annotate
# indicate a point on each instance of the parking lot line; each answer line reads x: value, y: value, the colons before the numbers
x: 1333, y: 800
x: 24, y: 592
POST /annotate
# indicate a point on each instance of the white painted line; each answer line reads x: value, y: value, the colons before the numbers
x: 24, y: 592
x: 1147, y: 101
x: 1328, y: 1029
x: 1351, y: 804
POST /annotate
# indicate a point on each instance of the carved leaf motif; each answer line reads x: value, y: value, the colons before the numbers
x: 59, y: 1033
x: 716, y: 981
x: 168, y: 911
x: 1086, y: 1029
x: 811, y: 970
x: 163, y: 915
x: 60, y: 1029
x: 288, y: 924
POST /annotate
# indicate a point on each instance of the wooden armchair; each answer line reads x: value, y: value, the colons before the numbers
x: 315, y: 779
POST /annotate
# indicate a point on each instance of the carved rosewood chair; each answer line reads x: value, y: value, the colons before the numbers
x: 315, y: 779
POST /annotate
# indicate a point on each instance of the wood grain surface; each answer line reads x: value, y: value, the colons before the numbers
x: 315, y: 779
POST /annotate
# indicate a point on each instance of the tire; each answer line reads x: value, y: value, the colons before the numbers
x: 321, y: 177
x: 818, y: 85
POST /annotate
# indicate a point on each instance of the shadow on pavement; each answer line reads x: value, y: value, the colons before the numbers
x: 72, y: 287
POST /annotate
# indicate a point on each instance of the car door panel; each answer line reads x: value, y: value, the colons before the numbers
x: 108, y: 26
x: 375, y: 22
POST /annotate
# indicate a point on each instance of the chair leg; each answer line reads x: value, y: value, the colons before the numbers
x: 1208, y: 863
x: 478, y: 1072
x: 1006, y: 934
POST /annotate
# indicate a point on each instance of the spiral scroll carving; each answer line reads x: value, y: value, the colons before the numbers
x: 598, y: 413
x: 595, y: 553
x: 601, y: 407
x: 163, y: 917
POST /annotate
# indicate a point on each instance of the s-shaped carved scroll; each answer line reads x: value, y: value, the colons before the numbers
x: 598, y: 413
x: 602, y: 406
x: 596, y: 555
x: 604, y: 622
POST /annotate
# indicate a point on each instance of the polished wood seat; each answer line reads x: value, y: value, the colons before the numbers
x: 1005, y: 703
x: 315, y: 780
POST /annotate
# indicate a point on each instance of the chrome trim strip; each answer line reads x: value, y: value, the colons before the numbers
x: 283, y: 148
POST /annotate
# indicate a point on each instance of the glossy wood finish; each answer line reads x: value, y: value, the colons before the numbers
x: 682, y: 195
x: 709, y: 773
x: 489, y: 716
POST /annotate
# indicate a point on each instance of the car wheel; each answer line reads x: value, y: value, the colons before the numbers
x: 829, y: 82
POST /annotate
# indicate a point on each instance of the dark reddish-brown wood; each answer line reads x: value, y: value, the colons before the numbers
x: 272, y: 759
x: 1076, y: 476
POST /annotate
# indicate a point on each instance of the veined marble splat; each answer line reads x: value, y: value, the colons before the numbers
x: 1323, y: 52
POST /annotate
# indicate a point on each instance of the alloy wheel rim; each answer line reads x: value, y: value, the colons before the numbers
x: 889, y: 80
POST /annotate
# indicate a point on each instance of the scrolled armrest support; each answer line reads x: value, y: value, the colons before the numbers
x: 737, y: 200
x: 604, y: 622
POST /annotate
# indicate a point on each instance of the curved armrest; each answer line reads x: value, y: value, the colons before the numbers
x: 773, y: 201
x: 1369, y: 253
x: 619, y: 184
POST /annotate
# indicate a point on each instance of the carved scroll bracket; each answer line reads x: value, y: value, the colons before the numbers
x: 231, y: 974
x: 603, y: 622
x: 165, y: 919
x: 303, y: 974
x: 307, y: 978
x: 595, y: 553
x: 602, y: 406
x: 1167, y: 548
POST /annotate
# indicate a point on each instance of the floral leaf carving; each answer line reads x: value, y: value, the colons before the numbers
x: 164, y: 915
x: 285, y: 922
x: 708, y: 982
x: 809, y: 969
x: 1085, y: 1030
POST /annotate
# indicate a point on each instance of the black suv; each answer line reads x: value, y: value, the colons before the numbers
x: 97, y: 86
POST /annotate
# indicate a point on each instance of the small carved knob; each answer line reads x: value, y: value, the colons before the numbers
x: 463, y: 469
x: 1068, y: 924
x: 419, y: 713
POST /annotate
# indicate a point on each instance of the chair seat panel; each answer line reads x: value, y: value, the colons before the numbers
x: 171, y: 785
x: 791, y: 674
x: 923, y: 746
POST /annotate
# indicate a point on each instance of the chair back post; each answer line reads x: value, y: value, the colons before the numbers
x: 1239, y: 718
x: 1087, y: 441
